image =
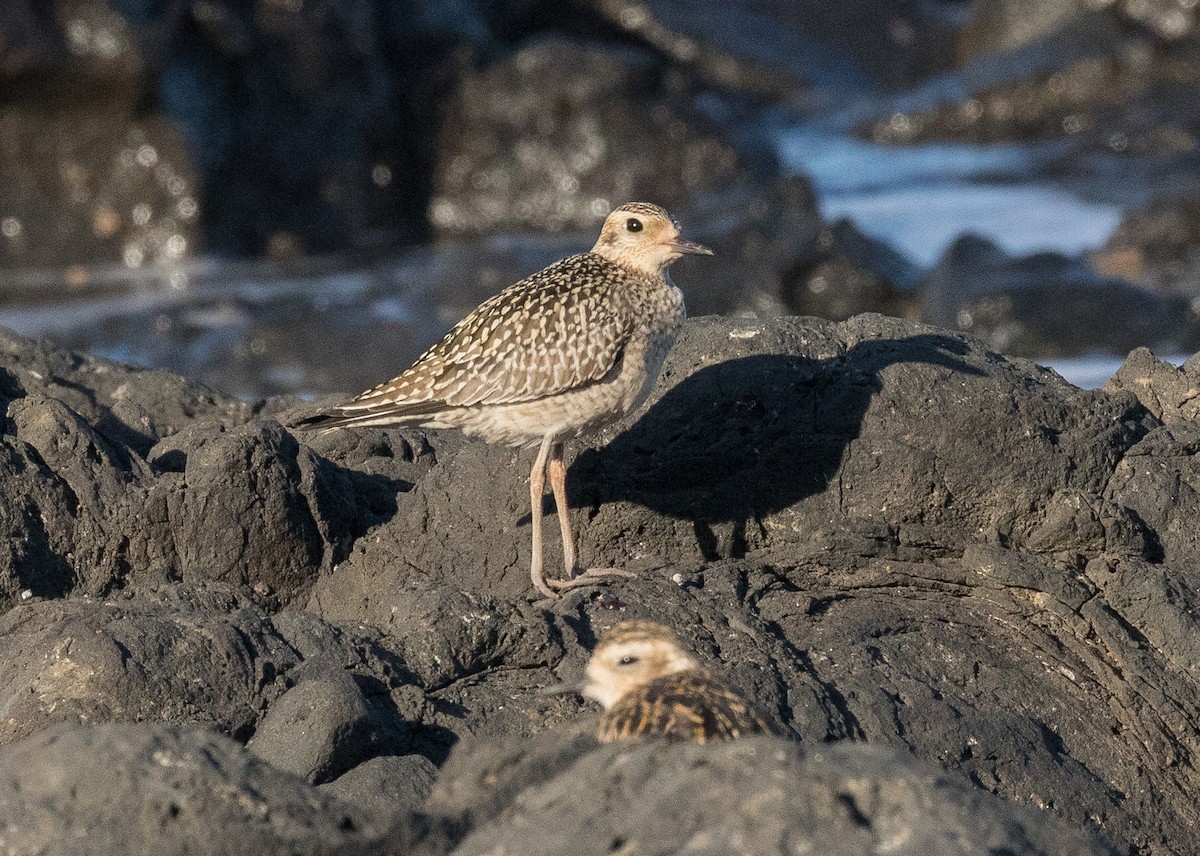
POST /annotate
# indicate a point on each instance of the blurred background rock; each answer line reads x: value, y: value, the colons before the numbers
x: 298, y: 196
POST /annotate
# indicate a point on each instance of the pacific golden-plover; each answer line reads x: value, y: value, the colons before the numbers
x: 650, y: 686
x: 570, y: 349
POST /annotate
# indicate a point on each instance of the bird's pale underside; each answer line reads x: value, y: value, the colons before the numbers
x: 566, y: 351
x: 650, y: 686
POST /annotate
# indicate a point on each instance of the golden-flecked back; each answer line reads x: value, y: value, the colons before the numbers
x: 691, y: 706
x: 560, y: 329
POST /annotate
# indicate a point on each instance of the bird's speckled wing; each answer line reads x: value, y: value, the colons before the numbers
x: 560, y: 329
x: 690, y: 706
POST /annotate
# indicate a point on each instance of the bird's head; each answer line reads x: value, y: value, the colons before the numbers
x: 643, y: 237
x: 631, y: 655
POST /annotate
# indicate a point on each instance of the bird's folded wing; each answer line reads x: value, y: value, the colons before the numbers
x: 689, y: 706
x: 548, y: 334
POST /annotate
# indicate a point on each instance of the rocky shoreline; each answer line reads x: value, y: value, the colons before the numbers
x: 964, y: 587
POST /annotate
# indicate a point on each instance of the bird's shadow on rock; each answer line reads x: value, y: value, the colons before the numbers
x: 750, y: 436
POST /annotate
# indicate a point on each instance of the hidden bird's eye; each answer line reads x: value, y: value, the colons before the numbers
x: 633, y: 224
x: 627, y: 661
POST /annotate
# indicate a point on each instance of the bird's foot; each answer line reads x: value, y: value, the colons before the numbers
x: 590, y: 577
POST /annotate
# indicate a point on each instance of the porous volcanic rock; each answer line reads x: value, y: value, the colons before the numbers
x: 879, y: 531
x: 1110, y: 82
x: 1050, y: 305
x: 1003, y: 25
x: 154, y: 789
x: 390, y: 785
x: 758, y: 795
x: 136, y: 134
x: 542, y: 141
x: 197, y: 655
x: 1158, y: 246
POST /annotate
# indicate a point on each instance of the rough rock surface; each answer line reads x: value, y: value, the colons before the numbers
x: 877, y: 530
x: 1050, y: 305
x: 389, y: 785
x: 1158, y: 246
x: 759, y: 795
x: 137, y: 133
x: 591, y: 108
x: 154, y: 789
x: 1171, y: 393
x: 846, y: 273
x: 1002, y: 25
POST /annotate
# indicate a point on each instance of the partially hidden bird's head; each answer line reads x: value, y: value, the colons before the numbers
x: 643, y: 237
x: 631, y: 655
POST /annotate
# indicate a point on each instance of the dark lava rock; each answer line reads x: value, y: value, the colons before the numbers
x: 1157, y: 246
x: 997, y: 26
x: 198, y: 655
x: 852, y: 273
x: 544, y: 141
x: 106, y: 485
x: 255, y: 507
x: 212, y: 659
x: 389, y: 785
x: 154, y: 789
x: 318, y: 729
x: 1159, y: 479
x: 876, y: 530
x: 1049, y: 305
x: 776, y: 489
x: 135, y: 406
x: 134, y: 131
x: 1171, y: 393
x: 753, y: 424
x: 1112, y: 84
x: 756, y: 796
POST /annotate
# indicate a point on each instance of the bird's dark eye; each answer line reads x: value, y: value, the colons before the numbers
x: 630, y: 660
x: 633, y: 224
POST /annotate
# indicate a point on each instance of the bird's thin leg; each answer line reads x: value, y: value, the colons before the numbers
x: 537, y: 487
x: 558, y: 484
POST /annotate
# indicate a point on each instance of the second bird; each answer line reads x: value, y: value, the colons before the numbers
x: 568, y: 350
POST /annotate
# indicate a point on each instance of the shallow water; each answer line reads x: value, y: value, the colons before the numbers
x: 1094, y: 370
x: 920, y: 198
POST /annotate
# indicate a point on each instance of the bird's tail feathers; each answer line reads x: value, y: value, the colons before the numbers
x: 388, y: 415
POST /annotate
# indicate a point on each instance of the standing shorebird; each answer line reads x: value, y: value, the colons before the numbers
x: 568, y: 350
x: 650, y: 686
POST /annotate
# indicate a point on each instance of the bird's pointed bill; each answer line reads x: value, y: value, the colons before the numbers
x: 691, y: 248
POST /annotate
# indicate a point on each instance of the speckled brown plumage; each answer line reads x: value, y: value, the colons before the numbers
x: 572, y: 348
x: 559, y: 331
x: 691, y: 706
x: 651, y: 687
